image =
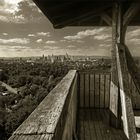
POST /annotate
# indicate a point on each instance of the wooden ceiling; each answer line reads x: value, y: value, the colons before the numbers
x: 64, y: 13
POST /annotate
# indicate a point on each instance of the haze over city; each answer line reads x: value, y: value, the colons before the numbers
x: 25, y: 31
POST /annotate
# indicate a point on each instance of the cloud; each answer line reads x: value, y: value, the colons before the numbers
x: 50, y: 42
x: 39, y: 40
x: 8, y: 10
x: 4, y: 19
x: 9, y: 6
x: 13, y: 19
x: 134, y: 40
x: 69, y: 41
x: 102, y: 37
x: 71, y: 46
x: 44, y: 34
x: 133, y: 33
x: 18, y: 47
x: 63, y: 40
x: 51, y: 47
x: 31, y: 35
x: 19, y: 11
x: 84, y: 34
x: 5, y: 34
x: 105, y: 45
x: 15, y: 40
x: 7, y: 48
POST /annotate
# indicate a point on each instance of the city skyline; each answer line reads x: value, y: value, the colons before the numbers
x: 25, y: 32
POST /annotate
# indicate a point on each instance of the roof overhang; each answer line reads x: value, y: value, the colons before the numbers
x: 63, y: 13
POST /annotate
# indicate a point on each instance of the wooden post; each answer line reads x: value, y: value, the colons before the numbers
x: 114, y: 98
x: 120, y: 65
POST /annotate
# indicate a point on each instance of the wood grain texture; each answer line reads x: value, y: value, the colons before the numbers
x: 126, y: 103
x: 94, y: 125
x: 44, y: 120
x: 94, y: 89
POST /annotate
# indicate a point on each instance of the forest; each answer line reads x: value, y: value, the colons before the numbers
x: 33, y: 82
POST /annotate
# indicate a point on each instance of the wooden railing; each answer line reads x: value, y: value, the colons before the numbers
x: 94, y: 88
x: 55, y: 117
x: 135, y: 96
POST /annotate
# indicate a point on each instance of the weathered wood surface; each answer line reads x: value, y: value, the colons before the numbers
x: 89, y: 88
x: 133, y: 69
x: 71, y: 115
x: 94, y: 89
x: 47, y: 121
x: 93, y: 124
x: 135, y: 96
x: 122, y: 75
x: 114, y: 91
x: 130, y: 13
x: 126, y: 103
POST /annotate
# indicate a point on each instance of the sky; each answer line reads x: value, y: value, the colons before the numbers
x: 25, y: 31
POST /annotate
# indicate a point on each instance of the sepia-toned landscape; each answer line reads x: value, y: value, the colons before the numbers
x: 69, y: 70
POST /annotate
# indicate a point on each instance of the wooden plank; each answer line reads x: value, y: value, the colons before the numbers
x: 83, y: 123
x: 107, y: 128
x: 137, y: 99
x: 70, y: 116
x: 106, y: 71
x: 107, y: 91
x: 86, y: 125
x: 100, y: 124
x: 99, y: 90
x: 32, y: 137
x: 96, y: 125
x: 102, y: 91
x: 130, y: 86
x: 130, y: 13
x: 89, y: 88
x: 134, y: 96
x: 86, y: 90
x: 114, y: 74
x: 92, y: 90
x: 91, y: 126
x: 107, y: 18
x: 81, y: 90
x: 133, y: 69
x: 97, y: 93
x: 127, y: 111
x: 81, y: 119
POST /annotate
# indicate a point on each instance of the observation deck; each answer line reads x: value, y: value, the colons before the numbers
x: 77, y: 109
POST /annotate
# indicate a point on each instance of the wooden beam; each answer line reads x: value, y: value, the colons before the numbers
x: 75, y: 19
x: 126, y: 103
x: 130, y: 13
x: 107, y: 19
x: 88, y: 18
x: 133, y: 69
x: 114, y: 98
x: 122, y: 73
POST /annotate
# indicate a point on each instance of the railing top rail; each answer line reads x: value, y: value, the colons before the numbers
x: 43, y: 120
x: 106, y: 71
